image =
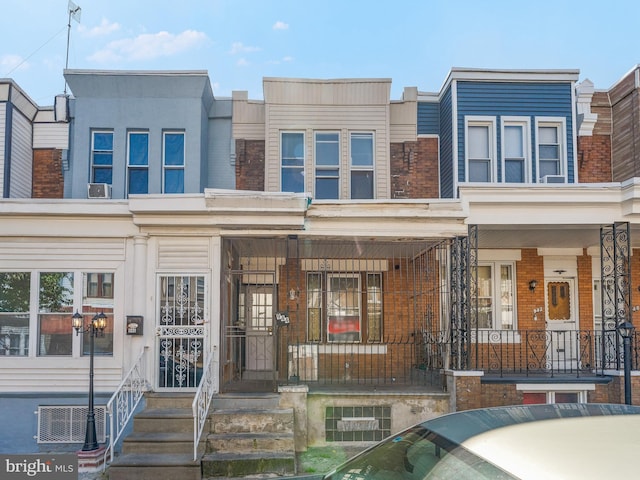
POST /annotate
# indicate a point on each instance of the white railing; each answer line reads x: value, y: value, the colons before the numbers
x: 202, y: 400
x: 124, y: 401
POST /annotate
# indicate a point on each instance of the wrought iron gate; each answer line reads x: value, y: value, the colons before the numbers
x: 180, y: 331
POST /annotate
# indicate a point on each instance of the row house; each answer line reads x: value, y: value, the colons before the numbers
x: 362, y: 257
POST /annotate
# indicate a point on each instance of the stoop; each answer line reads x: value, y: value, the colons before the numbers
x: 161, y: 444
x: 250, y: 437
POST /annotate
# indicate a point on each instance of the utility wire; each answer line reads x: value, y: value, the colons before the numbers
x: 36, y: 51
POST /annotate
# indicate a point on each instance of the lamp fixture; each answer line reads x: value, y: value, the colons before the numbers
x: 533, y: 284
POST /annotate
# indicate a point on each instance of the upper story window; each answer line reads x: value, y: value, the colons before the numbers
x: 496, y: 296
x: 361, y: 148
x: 327, y: 159
x: 292, y: 161
x: 550, y: 149
x: 138, y: 162
x: 173, y: 161
x: 101, y: 156
x: 480, y: 150
x: 515, y: 151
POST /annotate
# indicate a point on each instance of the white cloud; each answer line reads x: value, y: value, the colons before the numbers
x: 149, y: 46
x: 242, y: 62
x: 239, y: 47
x: 287, y: 59
x: 11, y: 63
x: 279, y: 25
x: 105, y: 28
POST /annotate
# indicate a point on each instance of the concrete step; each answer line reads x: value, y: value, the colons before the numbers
x: 239, y: 401
x: 216, y: 464
x: 164, y: 420
x: 158, y: 442
x: 254, y: 420
x: 154, y: 467
x: 168, y: 400
x: 250, y: 442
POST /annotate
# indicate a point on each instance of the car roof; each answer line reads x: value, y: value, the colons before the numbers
x: 564, y: 448
x: 460, y: 426
x: 564, y: 441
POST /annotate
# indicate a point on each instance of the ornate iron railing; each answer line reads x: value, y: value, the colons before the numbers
x: 124, y: 401
x: 418, y: 358
x: 549, y: 352
x: 202, y: 400
x: 411, y: 359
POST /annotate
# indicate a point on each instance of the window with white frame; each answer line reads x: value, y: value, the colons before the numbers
x: 344, y: 307
x: 515, y: 151
x: 327, y: 163
x: 550, y: 148
x: 292, y: 162
x: 101, y: 156
x: 15, y: 297
x: 362, y: 161
x: 496, y: 296
x: 173, y: 162
x: 556, y: 393
x: 138, y: 162
x: 40, y: 304
x: 480, y: 150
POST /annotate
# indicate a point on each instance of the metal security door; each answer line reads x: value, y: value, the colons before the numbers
x: 180, y: 331
x: 561, y: 324
x: 260, y: 342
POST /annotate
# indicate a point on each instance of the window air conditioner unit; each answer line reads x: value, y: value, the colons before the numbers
x: 99, y: 190
x: 552, y: 179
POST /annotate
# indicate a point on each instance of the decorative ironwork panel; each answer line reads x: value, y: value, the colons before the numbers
x: 181, y: 331
x: 464, y: 295
x: 615, y: 250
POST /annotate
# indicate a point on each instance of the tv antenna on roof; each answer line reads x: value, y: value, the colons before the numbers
x: 74, y: 12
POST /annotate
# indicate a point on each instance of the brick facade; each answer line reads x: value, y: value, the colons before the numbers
x: 594, y: 159
x: 47, y: 180
x: 414, y: 169
x: 250, y: 166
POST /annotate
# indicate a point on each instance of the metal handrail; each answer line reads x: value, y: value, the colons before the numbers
x: 202, y: 401
x: 125, y: 400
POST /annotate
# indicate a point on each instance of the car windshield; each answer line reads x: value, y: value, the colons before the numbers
x: 417, y: 454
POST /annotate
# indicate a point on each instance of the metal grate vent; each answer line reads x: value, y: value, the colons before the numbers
x: 67, y: 424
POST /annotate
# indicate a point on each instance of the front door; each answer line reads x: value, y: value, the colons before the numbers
x: 260, y: 340
x: 562, y: 335
x: 180, y: 331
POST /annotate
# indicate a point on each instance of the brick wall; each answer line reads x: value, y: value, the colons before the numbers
x: 414, y: 169
x: 530, y: 267
x: 250, y: 158
x: 47, y: 180
x: 594, y: 159
x: 585, y: 292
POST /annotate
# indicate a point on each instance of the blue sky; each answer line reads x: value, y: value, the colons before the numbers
x: 413, y: 42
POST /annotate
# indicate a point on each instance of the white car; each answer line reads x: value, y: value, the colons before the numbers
x: 538, y: 442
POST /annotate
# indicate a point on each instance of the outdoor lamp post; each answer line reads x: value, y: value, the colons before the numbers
x: 625, y: 330
x: 94, y: 329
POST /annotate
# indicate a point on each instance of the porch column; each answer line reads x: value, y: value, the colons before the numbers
x: 465, y: 389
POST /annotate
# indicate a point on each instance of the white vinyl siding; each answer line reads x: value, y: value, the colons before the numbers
x: 21, y: 157
x: 51, y: 135
x: 344, y: 108
x: 3, y: 127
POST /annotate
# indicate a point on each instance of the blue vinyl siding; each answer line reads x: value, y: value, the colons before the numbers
x: 446, y: 146
x: 428, y: 118
x: 531, y: 100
